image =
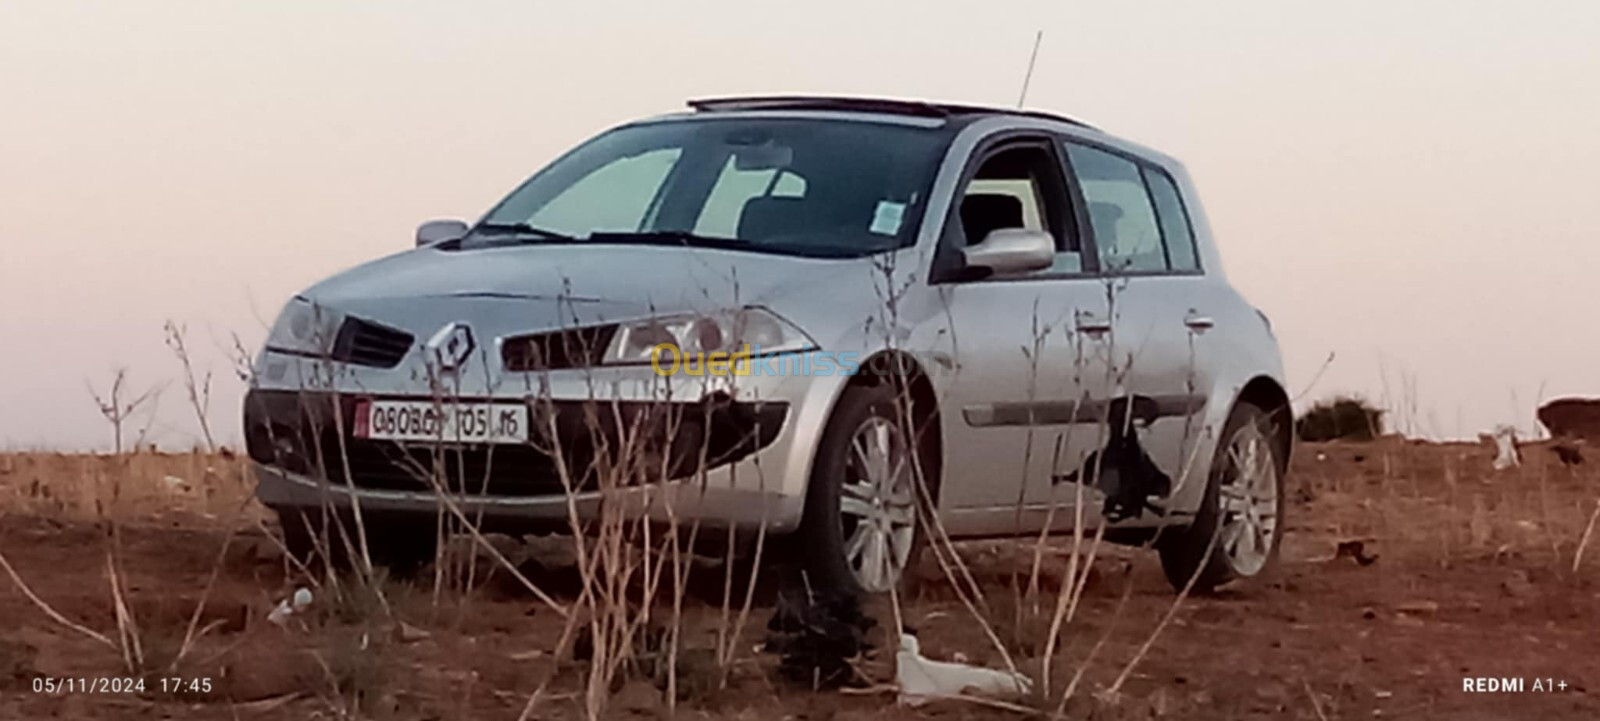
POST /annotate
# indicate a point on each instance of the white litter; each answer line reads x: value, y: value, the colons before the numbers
x: 1505, y: 441
x: 922, y: 680
x: 175, y: 484
x: 290, y: 606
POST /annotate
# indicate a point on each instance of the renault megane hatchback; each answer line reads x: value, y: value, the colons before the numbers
x: 848, y: 322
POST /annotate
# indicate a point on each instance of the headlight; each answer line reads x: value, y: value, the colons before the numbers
x: 304, y: 328
x: 761, y: 330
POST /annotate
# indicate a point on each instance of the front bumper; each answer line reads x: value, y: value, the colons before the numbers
x: 705, y: 505
x: 661, y: 460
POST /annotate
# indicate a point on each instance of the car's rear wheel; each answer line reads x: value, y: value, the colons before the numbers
x: 859, y: 533
x: 402, y: 544
x: 1235, y: 533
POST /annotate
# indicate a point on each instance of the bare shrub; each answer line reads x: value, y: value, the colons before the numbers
x: 1340, y: 418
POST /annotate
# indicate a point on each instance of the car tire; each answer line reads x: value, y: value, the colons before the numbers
x: 402, y: 545
x: 852, y: 519
x: 1236, y: 532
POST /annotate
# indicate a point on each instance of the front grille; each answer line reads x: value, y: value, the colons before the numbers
x: 571, y: 348
x: 366, y: 343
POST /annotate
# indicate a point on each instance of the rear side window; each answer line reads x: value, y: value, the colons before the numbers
x: 1136, y: 213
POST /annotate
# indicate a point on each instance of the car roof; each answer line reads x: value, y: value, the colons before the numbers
x: 917, y: 112
x: 886, y: 106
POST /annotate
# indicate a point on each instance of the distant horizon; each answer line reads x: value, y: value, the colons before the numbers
x: 1401, y: 186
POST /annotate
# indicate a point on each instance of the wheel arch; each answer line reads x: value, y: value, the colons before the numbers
x: 1266, y: 393
x: 911, y: 379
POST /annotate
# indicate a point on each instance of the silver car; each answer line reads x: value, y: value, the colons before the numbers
x: 843, y: 323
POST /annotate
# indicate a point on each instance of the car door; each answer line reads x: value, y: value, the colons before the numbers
x: 1162, y: 363
x: 1029, y: 354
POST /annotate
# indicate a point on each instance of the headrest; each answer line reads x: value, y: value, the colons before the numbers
x: 1104, y: 216
x: 768, y: 216
x: 985, y: 212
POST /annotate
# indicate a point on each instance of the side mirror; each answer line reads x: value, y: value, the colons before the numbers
x: 1012, y: 250
x: 439, y: 231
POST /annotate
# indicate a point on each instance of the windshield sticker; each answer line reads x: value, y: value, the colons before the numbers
x: 886, y: 220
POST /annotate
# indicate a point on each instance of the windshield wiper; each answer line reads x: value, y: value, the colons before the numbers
x: 522, y: 231
x: 672, y: 237
x: 525, y: 233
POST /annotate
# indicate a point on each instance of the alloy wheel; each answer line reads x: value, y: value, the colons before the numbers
x: 877, y: 504
x: 1248, y: 498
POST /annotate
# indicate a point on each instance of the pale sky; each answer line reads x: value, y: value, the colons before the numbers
x: 1406, y: 185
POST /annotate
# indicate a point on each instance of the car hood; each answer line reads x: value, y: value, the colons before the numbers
x: 555, y: 285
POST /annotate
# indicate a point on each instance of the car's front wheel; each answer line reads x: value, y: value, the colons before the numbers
x: 859, y: 533
x: 1236, y: 531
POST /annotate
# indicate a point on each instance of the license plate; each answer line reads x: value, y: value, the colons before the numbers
x: 442, y: 422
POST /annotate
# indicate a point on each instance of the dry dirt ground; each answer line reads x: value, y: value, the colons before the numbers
x: 1463, y: 573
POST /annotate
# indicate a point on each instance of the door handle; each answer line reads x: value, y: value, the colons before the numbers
x: 1091, y: 323
x: 1197, y: 322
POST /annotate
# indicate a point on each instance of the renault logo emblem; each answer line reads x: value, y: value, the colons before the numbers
x: 452, y: 346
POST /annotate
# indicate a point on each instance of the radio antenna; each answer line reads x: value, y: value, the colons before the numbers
x: 1037, y: 39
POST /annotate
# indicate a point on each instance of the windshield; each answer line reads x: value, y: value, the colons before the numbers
x: 811, y: 187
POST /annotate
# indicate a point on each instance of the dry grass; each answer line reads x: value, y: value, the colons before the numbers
x: 154, y: 485
x: 1447, y: 499
x: 156, y: 564
x: 1428, y: 511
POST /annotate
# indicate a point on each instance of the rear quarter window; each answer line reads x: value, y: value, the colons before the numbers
x: 1173, y: 217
